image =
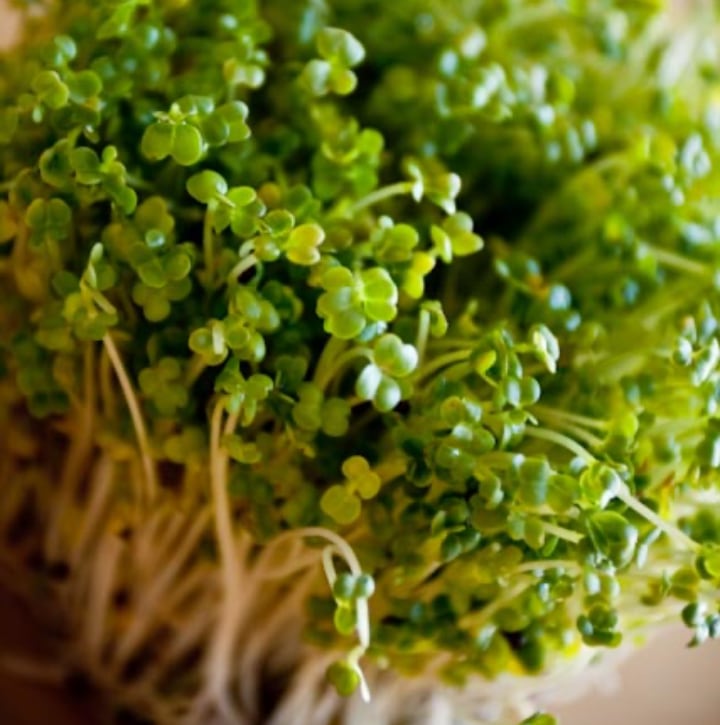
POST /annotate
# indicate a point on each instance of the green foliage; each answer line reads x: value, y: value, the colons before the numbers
x: 540, y: 718
x: 163, y: 384
x: 344, y: 678
x: 381, y: 380
x: 450, y: 274
x: 339, y: 52
x: 342, y: 502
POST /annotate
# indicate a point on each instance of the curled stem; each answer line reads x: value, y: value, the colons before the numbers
x: 241, y: 267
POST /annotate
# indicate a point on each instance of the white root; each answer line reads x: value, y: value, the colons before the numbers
x: 100, y: 593
x: 244, y: 617
x: 100, y: 493
x: 77, y: 458
x: 283, y: 623
x: 149, y: 607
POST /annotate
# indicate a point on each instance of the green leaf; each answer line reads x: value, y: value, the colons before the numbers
x: 344, y: 678
x: 48, y: 219
x: 8, y: 222
x: 360, y: 477
x: 613, y: 536
x: 562, y: 492
x: 599, y: 484
x: 234, y: 115
x: 394, y: 357
x: 84, y: 86
x: 50, y: 89
x: 340, y: 505
x: 209, y: 342
x: 240, y: 450
x: 158, y: 141
x: 316, y: 77
x: 207, y: 186
x: 598, y: 626
x: 302, y: 244
x: 338, y: 45
x: 188, y: 145
x: 9, y: 119
x: 534, y: 476
x: 540, y: 718
x: 344, y: 587
x: 364, y: 587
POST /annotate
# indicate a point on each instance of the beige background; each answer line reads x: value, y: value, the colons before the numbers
x: 664, y: 684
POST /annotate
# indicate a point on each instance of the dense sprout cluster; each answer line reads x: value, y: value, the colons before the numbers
x: 425, y: 293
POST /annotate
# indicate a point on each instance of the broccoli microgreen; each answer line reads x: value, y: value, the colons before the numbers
x: 424, y: 301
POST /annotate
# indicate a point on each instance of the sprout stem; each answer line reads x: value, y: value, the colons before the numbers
x: 680, y: 263
x: 332, y: 349
x: 584, y: 435
x: 562, y: 533
x: 241, y: 267
x: 561, y: 440
x: 208, y: 246
x: 443, y: 361
x: 107, y: 394
x: 547, y: 411
x: 386, y: 192
x: 423, y: 332
x: 391, y: 469
x: 194, y: 369
x: 475, y: 620
x: 221, y: 502
x: 648, y: 514
x: 341, y: 547
x: 533, y: 566
x: 331, y: 370
x: 137, y: 418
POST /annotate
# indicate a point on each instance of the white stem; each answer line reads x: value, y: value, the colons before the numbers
x: 477, y: 619
x: 346, y: 552
x: 221, y: 504
x: 560, y: 440
x: 649, y: 515
x: 562, y: 533
x: 137, y: 418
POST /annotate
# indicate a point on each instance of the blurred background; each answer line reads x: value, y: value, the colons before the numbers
x: 663, y: 684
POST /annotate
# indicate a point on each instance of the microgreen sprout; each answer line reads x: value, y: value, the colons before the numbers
x: 355, y: 350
